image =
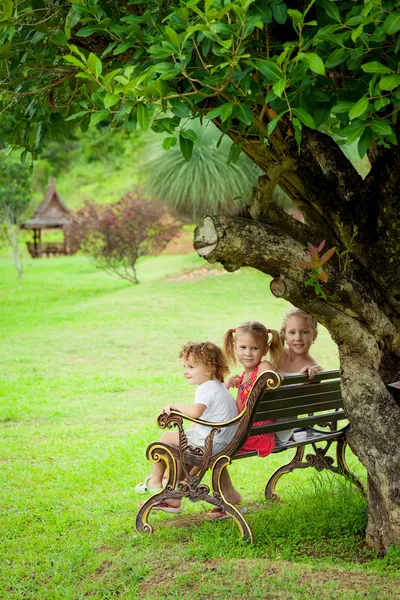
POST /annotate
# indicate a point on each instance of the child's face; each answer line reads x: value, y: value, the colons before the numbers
x: 196, y: 373
x: 250, y: 349
x: 299, y: 334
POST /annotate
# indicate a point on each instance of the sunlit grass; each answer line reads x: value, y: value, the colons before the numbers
x: 86, y: 362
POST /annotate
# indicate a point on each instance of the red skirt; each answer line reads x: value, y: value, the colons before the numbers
x: 263, y: 443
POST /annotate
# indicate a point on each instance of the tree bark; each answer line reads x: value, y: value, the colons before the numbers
x: 336, y: 202
x: 368, y: 341
x: 11, y: 234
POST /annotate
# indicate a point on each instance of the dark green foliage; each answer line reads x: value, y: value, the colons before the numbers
x: 326, y: 65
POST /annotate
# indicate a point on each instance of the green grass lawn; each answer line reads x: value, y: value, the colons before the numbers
x: 87, y: 361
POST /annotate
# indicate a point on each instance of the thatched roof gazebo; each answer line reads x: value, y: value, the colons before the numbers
x: 50, y: 214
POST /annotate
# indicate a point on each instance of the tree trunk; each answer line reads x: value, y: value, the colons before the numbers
x: 374, y: 438
x: 361, y: 322
x: 11, y: 234
x: 16, y: 252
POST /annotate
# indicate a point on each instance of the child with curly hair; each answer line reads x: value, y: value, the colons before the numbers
x: 204, y: 365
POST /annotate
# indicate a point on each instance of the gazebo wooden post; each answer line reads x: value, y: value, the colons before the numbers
x: 40, y: 243
x: 37, y: 241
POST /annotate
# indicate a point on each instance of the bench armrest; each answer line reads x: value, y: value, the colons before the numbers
x: 162, y: 419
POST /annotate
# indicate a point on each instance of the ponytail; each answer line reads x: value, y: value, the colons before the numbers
x: 229, y: 346
x: 275, y: 349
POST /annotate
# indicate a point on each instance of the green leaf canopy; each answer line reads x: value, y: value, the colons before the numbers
x: 241, y: 63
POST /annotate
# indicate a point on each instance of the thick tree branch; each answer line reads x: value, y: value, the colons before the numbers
x: 303, y: 184
x: 338, y: 170
x: 318, y: 190
x: 236, y: 242
x: 263, y: 209
x: 316, y: 180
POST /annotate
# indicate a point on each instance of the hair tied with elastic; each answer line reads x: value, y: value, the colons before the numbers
x: 269, y: 330
x: 234, y: 330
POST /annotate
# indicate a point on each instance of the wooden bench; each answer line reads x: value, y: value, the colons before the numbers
x: 313, y: 409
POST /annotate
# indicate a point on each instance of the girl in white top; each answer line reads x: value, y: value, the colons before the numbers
x: 298, y: 332
x: 205, y: 365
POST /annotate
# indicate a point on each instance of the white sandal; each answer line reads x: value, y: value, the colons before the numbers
x: 143, y: 487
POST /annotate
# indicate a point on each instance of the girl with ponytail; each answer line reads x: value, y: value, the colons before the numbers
x: 249, y: 344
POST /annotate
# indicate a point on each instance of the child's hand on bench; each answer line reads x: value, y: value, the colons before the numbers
x: 232, y: 382
x: 311, y: 370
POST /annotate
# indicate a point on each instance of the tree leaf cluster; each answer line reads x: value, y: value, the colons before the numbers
x: 331, y: 66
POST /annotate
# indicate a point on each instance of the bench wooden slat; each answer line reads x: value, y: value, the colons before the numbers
x: 301, y: 401
x: 320, y: 418
x: 292, y: 379
x: 298, y: 391
x: 299, y: 410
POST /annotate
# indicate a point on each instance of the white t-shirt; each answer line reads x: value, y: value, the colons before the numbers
x: 220, y: 407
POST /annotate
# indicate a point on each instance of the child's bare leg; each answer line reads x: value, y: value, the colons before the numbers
x: 231, y: 495
x: 155, y: 481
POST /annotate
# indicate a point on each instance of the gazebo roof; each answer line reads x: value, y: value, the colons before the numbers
x: 51, y: 212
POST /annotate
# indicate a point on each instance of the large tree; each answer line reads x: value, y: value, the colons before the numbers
x: 288, y: 82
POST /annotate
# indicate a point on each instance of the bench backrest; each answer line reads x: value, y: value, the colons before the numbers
x: 289, y: 402
x: 295, y: 399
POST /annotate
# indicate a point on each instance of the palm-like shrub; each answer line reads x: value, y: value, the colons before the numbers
x: 205, y: 184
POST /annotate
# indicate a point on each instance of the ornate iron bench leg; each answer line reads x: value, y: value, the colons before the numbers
x: 320, y: 461
x: 219, y: 499
x: 343, y: 469
x: 295, y: 463
x: 156, y: 453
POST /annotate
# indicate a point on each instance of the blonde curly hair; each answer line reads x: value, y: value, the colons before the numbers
x: 208, y: 354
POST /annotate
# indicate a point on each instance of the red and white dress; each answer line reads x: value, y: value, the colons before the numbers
x: 265, y: 442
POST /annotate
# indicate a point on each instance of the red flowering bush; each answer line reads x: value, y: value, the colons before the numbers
x: 117, y: 234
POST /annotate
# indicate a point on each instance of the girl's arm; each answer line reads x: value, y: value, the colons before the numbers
x: 194, y: 411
